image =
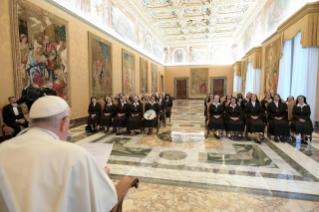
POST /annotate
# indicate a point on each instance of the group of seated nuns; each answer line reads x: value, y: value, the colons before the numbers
x: 235, y: 113
x: 120, y: 112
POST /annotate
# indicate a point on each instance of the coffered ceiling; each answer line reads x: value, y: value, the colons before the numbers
x: 180, y: 22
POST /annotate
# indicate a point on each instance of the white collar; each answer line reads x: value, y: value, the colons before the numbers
x: 276, y: 103
x: 304, y: 104
x: 109, y: 104
x: 44, y: 132
x: 94, y: 104
x: 267, y: 99
x: 123, y: 103
x: 217, y: 103
x: 136, y: 103
x: 253, y: 103
x: 153, y: 103
x: 233, y: 106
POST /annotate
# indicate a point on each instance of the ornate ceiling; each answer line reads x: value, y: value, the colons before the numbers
x: 180, y: 22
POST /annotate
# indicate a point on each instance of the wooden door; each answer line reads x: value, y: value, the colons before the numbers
x: 181, y: 89
x: 218, y: 87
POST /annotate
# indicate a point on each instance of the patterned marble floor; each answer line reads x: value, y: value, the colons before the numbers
x: 180, y: 170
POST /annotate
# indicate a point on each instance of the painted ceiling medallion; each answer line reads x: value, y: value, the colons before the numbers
x: 157, y: 3
x: 198, y: 23
x: 197, y: 12
x: 164, y: 15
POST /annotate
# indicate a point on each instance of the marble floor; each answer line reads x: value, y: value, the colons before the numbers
x: 181, y: 170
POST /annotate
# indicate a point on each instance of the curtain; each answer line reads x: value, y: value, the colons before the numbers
x: 304, y: 74
x: 235, y: 82
x: 252, y: 79
x: 238, y: 83
x: 285, y: 65
x: 249, y: 78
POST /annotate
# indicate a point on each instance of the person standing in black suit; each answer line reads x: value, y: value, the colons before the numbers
x: 13, y: 116
x: 216, y: 120
x: 254, y: 120
x: 169, y: 105
x: 94, y: 114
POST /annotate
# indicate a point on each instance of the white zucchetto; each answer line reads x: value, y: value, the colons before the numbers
x: 47, y: 106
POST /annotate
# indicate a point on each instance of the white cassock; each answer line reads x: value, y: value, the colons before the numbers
x: 40, y: 173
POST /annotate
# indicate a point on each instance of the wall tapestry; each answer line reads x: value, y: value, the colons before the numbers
x: 143, y: 76
x: 128, y: 72
x: 40, y: 49
x: 154, y: 78
x: 199, y: 81
x: 272, y: 57
x: 100, y: 67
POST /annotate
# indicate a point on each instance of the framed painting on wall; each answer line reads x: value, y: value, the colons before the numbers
x: 199, y: 81
x: 154, y: 78
x: 143, y: 76
x: 100, y: 67
x: 41, y: 50
x: 128, y: 72
x: 272, y: 57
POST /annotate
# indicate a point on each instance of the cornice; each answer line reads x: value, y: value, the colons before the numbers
x: 311, y: 7
x: 270, y: 37
x: 237, y: 63
x: 253, y: 50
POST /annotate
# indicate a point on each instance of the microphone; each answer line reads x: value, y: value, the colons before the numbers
x: 69, y: 138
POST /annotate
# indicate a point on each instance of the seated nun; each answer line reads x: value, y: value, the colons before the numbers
x: 122, y: 111
x: 152, y: 105
x: 278, y: 119
x: 162, y: 112
x: 301, y: 122
x: 216, y: 112
x: 264, y: 103
x: 169, y: 105
x: 234, y: 119
x: 227, y: 100
x: 134, y: 121
x: 254, y: 114
x: 42, y: 172
x: 108, y: 114
x: 94, y: 114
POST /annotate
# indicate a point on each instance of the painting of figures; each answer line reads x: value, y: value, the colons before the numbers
x: 275, y: 13
x: 199, y: 54
x: 272, y: 58
x: 128, y: 71
x: 154, y: 78
x: 122, y: 24
x: 179, y: 56
x: 40, y: 49
x: 100, y: 67
x: 143, y: 75
x: 199, y: 80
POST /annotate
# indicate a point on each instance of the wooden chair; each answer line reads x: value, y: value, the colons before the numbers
x: 6, y: 130
x: 143, y: 105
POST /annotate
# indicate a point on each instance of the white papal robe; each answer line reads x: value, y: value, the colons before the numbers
x: 40, y: 173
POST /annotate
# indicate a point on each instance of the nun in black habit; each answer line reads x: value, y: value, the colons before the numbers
x: 254, y: 120
x: 278, y: 119
x: 216, y: 120
x: 152, y: 105
x: 134, y: 121
x: 122, y: 111
x: 301, y: 122
x: 234, y: 119
x: 108, y: 114
x: 169, y: 105
x: 94, y: 114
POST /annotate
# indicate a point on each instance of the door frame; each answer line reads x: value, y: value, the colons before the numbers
x: 212, y: 84
x: 187, y: 86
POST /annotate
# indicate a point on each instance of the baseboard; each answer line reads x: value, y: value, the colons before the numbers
x: 78, y: 122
